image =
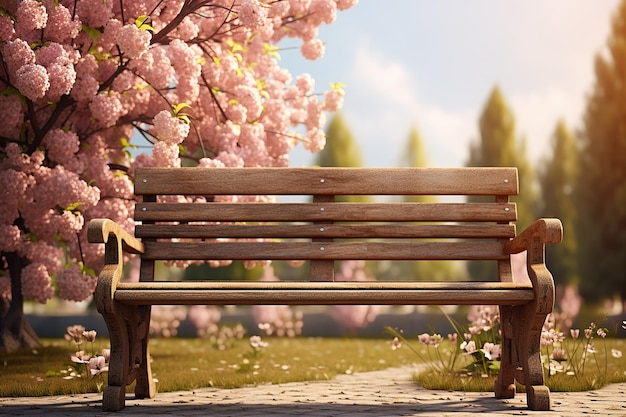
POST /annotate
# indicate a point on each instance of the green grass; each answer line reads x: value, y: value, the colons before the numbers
x: 184, y: 364
x: 599, y: 370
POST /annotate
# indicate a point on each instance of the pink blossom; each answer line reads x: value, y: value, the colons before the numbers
x: 36, y: 283
x: 10, y: 237
x: 166, y: 154
x: 32, y: 81
x: 106, y: 108
x: 75, y: 285
x: 313, y: 49
x: 61, y: 78
x: 133, y: 42
x: 170, y: 129
x: 333, y: 100
x: 61, y: 145
x: 346, y: 4
x: 60, y: 26
x: 12, y: 115
x: 6, y: 28
x: 94, y: 13
x: 85, y: 89
x: 251, y: 13
x: 16, y: 54
x: 31, y: 15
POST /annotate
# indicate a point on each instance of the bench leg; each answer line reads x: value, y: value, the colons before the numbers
x: 145, y: 387
x: 114, y: 393
x: 505, y: 384
x: 128, y: 327
x: 526, y: 350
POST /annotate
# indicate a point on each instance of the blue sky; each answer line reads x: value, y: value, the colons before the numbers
x: 433, y: 63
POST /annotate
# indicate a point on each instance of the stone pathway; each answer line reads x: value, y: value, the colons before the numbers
x: 380, y: 393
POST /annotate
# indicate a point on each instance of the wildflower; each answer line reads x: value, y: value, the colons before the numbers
x: 80, y: 357
x: 616, y: 353
x: 469, y: 347
x: 90, y: 335
x: 591, y: 348
x: 424, y: 338
x: 491, y: 351
x: 395, y: 344
x: 624, y: 324
x: 556, y: 367
x: 558, y: 355
x: 75, y: 334
x: 453, y: 337
x: 257, y: 343
x: 97, y: 365
x: 435, y: 340
x: 575, y: 333
x: 602, y: 333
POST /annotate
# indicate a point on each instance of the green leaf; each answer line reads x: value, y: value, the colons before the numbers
x: 337, y: 87
x: 140, y: 22
x: 72, y: 207
x: 94, y: 34
x: 177, y: 108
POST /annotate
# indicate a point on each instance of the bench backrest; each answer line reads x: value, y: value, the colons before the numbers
x: 320, y: 229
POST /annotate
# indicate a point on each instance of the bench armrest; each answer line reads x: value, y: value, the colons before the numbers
x: 116, y: 241
x: 533, y: 240
x: 100, y: 230
x: 542, y: 231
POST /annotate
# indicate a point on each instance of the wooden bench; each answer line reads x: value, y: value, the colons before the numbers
x: 320, y: 230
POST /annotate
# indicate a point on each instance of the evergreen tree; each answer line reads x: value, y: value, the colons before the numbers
x: 414, y: 155
x: 497, y: 147
x: 602, y: 183
x: 557, y: 178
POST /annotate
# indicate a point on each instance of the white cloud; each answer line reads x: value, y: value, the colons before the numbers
x: 383, y: 102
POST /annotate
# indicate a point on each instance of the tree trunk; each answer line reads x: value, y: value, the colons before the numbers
x: 15, y: 331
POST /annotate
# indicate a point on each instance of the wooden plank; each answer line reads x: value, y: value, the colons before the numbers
x: 322, y: 269
x: 325, y: 293
x: 336, y: 181
x: 479, y: 250
x: 353, y: 231
x: 326, y: 212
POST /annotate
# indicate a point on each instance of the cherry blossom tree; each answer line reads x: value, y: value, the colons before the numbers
x: 200, y: 80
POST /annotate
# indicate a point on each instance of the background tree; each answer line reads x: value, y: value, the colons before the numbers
x: 602, y: 183
x: 557, y: 176
x: 415, y: 155
x: 198, y: 79
x: 498, y: 147
x: 341, y: 150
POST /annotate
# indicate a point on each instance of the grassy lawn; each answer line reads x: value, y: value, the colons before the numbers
x: 183, y: 364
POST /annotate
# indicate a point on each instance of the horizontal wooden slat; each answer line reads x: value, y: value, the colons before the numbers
x: 303, y: 293
x: 326, y: 212
x: 479, y: 250
x: 334, y: 231
x: 326, y: 181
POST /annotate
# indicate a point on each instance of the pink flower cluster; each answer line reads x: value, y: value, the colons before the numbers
x: 80, y: 78
x: 354, y: 316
